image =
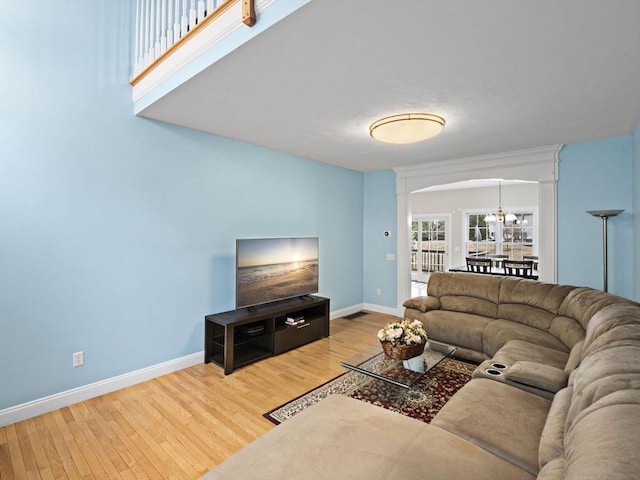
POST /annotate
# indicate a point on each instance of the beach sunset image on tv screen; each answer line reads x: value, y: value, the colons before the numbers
x: 271, y: 269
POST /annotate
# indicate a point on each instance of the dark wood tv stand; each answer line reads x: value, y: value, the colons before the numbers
x: 240, y: 337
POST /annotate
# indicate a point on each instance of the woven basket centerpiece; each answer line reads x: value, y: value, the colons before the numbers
x: 402, y: 352
x: 403, y: 340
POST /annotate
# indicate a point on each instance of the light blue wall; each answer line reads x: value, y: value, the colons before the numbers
x: 380, y: 215
x: 596, y: 175
x: 118, y: 233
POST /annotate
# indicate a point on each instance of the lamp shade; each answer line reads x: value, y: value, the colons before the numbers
x: 406, y: 128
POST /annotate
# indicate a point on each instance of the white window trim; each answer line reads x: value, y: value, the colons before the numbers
x: 479, y: 211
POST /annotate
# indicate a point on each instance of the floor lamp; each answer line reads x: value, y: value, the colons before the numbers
x: 604, y: 214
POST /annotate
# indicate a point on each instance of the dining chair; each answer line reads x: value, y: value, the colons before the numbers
x: 518, y: 268
x: 497, y: 259
x: 478, y: 264
x: 532, y: 257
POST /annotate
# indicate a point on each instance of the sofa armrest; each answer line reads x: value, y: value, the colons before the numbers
x: 424, y: 304
x: 537, y: 375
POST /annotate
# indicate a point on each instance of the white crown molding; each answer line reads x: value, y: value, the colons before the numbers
x: 535, y: 164
x: 43, y: 405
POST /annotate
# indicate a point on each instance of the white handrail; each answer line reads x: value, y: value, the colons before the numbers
x: 162, y: 23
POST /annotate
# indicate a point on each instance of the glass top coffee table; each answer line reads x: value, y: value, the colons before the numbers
x: 402, y: 373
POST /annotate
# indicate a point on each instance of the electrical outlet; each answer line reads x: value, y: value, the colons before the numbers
x: 78, y: 359
x: 378, y: 291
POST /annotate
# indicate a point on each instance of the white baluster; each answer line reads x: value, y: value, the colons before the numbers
x: 192, y: 15
x: 147, y: 35
x: 157, y: 31
x: 200, y: 10
x: 210, y: 7
x: 163, y: 23
x: 136, y: 65
x: 170, y: 23
x: 152, y: 31
x: 176, y: 24
x: 141, y: 26
x: 184, y: 20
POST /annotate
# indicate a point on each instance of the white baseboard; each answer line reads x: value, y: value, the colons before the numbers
x: 380, y: 309
x: 53, y: 402
x: 343, y: 312
x: 371, y: 307
x: 64, y: 399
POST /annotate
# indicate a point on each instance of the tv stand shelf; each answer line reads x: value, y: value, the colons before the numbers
x: 240, y: 337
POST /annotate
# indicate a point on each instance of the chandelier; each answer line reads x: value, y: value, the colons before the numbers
x: 499, y: 216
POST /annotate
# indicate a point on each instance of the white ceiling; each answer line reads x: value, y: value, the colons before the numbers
x: 506, y: 75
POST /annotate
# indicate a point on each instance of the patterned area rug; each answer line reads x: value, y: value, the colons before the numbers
x: 422, y: 401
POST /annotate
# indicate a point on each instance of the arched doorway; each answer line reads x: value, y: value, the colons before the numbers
x: 539, y: 165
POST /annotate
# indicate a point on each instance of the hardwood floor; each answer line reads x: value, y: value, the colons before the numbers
x: 180, y: 425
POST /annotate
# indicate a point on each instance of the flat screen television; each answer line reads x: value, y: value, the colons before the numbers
x: 272, y: 269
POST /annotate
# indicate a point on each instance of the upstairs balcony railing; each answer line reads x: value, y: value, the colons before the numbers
x: 161, y: 25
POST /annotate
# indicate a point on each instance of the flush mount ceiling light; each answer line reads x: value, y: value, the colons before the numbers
x: 407, y: 128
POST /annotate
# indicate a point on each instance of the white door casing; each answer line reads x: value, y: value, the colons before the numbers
x: 538, y: 164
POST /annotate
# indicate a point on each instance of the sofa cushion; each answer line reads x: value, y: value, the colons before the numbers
x: 499, y: 332
x: 603, y: 373
x: 502, y: 419
x: 617, y: 324
x: 602, y: 442
x: 526, y: 314
x: 344, y: 438
x: 552, y: 438
x: 438, y: 454
x: 516, y: 350
x: 537, y: 375
x: 467, y: 284
x: 574, y: 357
x: 465, y: 304
x: 568, y: 330
x: 582, y: 303
x: 533, y: 303
x: 466, y: 292
x: 423, y: 304
x: 456, y: 328
x: 324, y: 431
x: 473, y: 356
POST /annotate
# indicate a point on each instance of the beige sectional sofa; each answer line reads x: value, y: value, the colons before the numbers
x: 556, y: 395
